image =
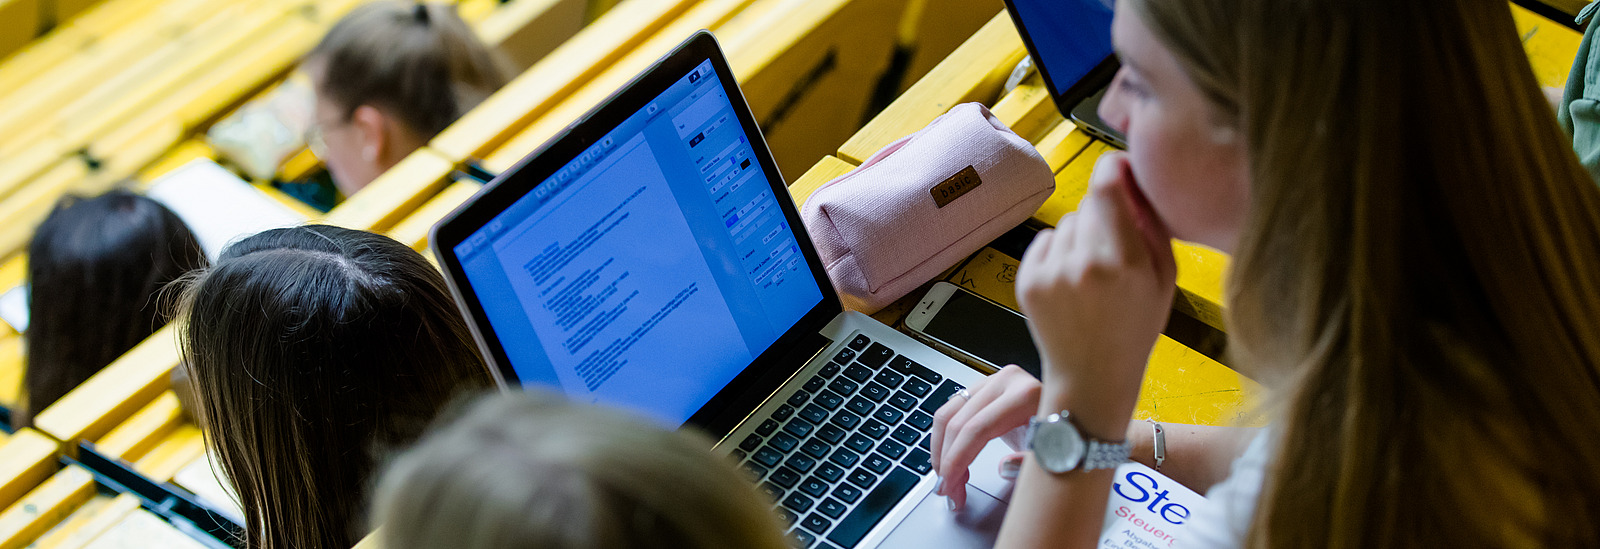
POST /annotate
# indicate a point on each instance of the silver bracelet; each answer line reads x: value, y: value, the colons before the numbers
x: 1159, y: 437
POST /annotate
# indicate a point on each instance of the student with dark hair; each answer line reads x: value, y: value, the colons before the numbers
x: 313, y: 350
x: 95, y: 269
x: 533, y: 471
x: 388, y: 77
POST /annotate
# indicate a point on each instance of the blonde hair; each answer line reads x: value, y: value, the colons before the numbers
x: 1419, y: 274
x: 416, y: 61
x: 520, y: 470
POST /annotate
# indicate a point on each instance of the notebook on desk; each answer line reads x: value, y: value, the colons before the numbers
x: 651, y: 258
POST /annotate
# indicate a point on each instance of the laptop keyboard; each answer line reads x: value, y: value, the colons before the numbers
x: 847, y: 446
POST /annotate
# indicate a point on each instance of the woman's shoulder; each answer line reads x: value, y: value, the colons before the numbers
x: 1231, y: 504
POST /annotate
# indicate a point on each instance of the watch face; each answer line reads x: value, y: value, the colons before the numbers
x: 1057, y: 446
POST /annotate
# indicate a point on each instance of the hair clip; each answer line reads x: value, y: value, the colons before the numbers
x: 421, y: 12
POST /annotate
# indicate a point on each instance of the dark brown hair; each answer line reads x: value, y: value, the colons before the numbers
x: 533, y: 471
x: 415, y: 61
x: 1419, y: 275
x: 314, y: 350
x: 95, y: 267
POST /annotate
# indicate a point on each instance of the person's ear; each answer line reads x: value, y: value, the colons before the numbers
x: 372, y: 130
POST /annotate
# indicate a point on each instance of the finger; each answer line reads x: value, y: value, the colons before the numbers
x: 1039, y: 249
x: 963, y: 446
x: 979, y: 397
x: 1156, y: 234
x: 1111, y: 229
x: 941, y: 418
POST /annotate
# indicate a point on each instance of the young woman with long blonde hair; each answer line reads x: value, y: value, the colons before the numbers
x: 1416, y: 279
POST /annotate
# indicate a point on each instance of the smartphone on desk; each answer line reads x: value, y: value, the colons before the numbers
x: 973, y: 329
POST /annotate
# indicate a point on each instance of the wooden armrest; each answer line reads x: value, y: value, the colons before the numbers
x: 110, y: 397
x: 175, y: 451
x: 1029, y: 110
x: 973, y: 72
x: 46, y: 506
x: 145, y: 430
x: 413, y: 230
x: 26, y: 460
x: 553, y: 78
x: 397, y: 192
x: 94, y: 518
x: 708, y: 14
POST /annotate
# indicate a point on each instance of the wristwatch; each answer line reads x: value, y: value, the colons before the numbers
x: 1059, y: 447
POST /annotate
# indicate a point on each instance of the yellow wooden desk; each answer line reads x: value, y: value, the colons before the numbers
x: 1551, y: 46
x: 527, y: 30
x: 51, y: 50
x: 180, y: 59
x: 1181, y: 385
x: 132, y: 144
x: 973, y: 72
x: 123, y: 53
x: 802, y: 66
x: 19, y: 21
x: 934, y: 28
x: 413, y: 230
x: 807, y: 70
x: 550, y: 80
x: 709, y: 14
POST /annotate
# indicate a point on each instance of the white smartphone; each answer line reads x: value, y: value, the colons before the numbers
x: 973, y: 329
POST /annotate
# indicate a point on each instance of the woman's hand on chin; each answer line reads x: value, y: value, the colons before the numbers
x: 1097, y: 291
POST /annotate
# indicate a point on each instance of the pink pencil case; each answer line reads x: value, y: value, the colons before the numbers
x: 921, y: 204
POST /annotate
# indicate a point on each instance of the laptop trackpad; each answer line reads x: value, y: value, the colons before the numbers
x: 932, y: 524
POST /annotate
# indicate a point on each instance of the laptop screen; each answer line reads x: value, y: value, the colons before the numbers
x: 650, y: 270
x: 1069, y: 37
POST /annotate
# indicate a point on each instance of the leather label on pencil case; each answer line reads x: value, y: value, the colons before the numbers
x: 961, y: 183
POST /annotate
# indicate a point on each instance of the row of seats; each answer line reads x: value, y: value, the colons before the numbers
x: 128, y: 411
x: 802, y: 64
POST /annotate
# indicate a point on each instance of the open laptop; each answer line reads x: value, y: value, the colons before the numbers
x: 651, y: 258
x: 1070, y: 43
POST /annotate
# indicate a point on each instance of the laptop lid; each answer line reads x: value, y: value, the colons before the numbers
x: 1070, y: 42
x: 649, y: 257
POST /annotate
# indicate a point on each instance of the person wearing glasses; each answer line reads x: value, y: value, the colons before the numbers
x: 388, y: 77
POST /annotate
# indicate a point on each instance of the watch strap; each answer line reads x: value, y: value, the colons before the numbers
x: 1098, y: 454
x: 1105, y: 455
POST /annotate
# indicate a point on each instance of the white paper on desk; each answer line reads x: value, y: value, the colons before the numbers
x: 1146, y: 509
x: 219, y: 207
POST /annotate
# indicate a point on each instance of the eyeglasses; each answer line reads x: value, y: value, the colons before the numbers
x: 316, y: 136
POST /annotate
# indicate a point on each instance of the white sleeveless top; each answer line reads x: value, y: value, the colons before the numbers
x: 1226, y: 521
